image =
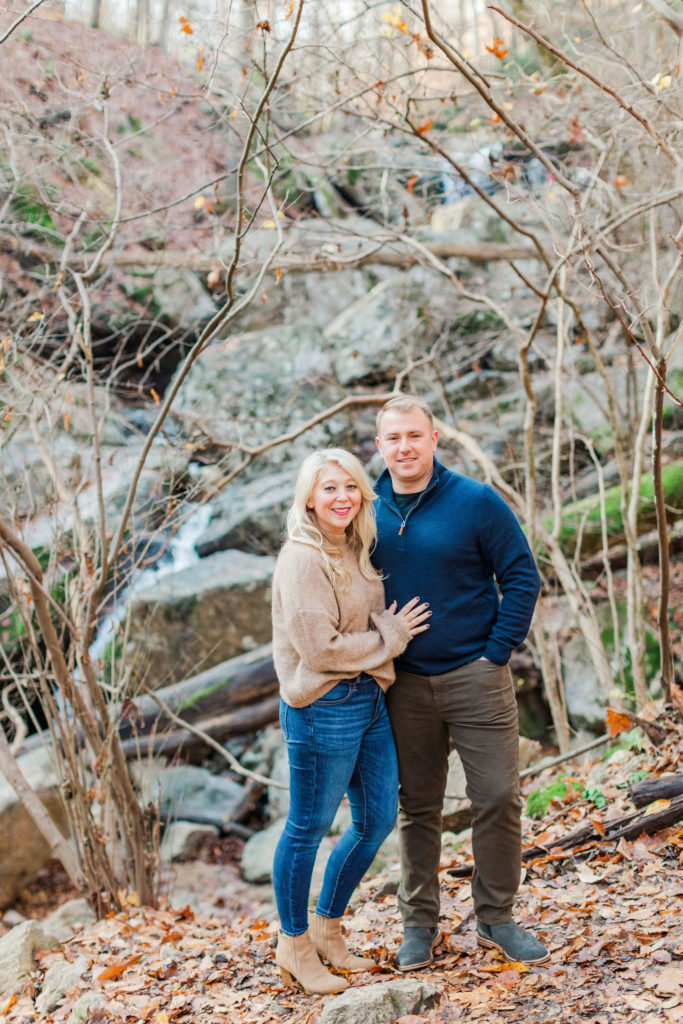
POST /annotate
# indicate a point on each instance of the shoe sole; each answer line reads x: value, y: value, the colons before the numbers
x: 425, y: 963
x: 490, y: 944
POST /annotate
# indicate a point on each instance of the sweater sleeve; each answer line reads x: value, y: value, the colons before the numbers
x: 509, y: 555
x: 311, y: 617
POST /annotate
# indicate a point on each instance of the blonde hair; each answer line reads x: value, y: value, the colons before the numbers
x: 361, y: 532
x: 404, y: 403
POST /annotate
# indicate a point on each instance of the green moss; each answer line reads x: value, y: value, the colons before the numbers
x: 539, y: 800
x: 585, y: 514
x: 29, y: 206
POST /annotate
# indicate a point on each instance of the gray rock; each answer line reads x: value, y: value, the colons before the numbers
x: 278, y: 799
x: 23, y: 850
x: 17, y: 952
x: 258, y: 851
x: 12, y: 918
x: 187, y: 792
x: 457, y: 810
x: 182, y: 838
x: 181, y: 297
x: 249, y: 516
x: 58, y: 980
x: 66, y: 920
x: 381, y: 1003
x: 202, y: 615
x: 84, y: 1006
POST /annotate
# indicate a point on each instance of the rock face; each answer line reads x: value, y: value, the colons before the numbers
x: 212, y: 611
x: 186, y: 793
x: 17, y: 952
x: 380, y: 1004
x: 250, y: 517
x: 23, y: 850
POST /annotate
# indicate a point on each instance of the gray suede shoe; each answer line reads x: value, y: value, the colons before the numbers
x: 513, y: 942
x: 417, y: 948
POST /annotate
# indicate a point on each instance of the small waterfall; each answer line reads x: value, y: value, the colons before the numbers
x: 180, y: 554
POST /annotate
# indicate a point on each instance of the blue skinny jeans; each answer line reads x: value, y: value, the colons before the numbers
x: 342, y: 743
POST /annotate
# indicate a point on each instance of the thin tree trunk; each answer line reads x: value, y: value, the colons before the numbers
x: 663, y: 537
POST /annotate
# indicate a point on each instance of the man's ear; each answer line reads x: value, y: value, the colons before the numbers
x: 377, y: 441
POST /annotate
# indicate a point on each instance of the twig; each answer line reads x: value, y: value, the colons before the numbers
x: 211, y: 742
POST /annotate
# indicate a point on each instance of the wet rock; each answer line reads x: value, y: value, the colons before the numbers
x: 249, y: 516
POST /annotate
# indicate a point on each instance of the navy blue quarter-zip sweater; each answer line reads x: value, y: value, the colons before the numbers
x: 456, y: 542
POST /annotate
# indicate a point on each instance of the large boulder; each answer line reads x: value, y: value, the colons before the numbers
x: 249, y: 516
x: 187, y: 793
x: 23, y: 850
x: 212, y: 611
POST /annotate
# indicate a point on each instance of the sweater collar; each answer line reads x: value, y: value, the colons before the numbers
x: 385, y: 490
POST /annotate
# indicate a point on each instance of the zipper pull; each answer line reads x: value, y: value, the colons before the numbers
x: 403, y: 526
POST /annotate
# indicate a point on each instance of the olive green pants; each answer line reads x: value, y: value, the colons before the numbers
x: 473, y: 708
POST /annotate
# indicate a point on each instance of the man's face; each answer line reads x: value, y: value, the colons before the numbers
x: 407, y: 444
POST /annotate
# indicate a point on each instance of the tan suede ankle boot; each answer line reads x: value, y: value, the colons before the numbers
x: 326, y: 935
x: 298, y: 961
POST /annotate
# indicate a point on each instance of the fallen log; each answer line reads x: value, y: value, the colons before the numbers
x: 627, y: 826
x: 231, y: 684
x: 660, y: 788
x: 220, y: 728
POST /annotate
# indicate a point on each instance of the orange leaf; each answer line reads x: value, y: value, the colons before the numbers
x: 411, y: 182
x: 278, y: 274
x: 425, y: 127
x: 154, y: 395
x: 617, y: 722
x: 290, y: 10
x: 200, y: 63
x: 621, y: 180
x: 576, y: 133
x: 66, y: 422
x: 11, y: 1003
x: 498, y: 50
x: 117, y: 969
x: 188, y: 29
x: 598, y: 826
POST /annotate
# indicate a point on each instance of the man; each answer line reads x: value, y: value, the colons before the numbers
x: 456, y: 544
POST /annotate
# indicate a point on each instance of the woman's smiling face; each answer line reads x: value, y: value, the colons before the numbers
x: 335, y: 500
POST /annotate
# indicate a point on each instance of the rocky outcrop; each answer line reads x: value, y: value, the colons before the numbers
x: 208, y: 613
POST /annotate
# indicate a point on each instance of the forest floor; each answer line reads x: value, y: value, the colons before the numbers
x: 611, y: 913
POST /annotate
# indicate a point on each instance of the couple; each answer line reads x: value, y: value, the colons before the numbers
x: 455, y: 543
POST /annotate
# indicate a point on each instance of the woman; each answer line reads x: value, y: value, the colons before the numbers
x: 333, y: 646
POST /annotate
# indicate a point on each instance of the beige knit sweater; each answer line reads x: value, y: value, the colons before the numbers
x: 325, y: 630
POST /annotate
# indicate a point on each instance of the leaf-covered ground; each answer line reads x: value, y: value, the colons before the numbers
x: 610, y: 912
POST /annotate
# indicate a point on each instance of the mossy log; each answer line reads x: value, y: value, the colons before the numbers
x: 220, y: 689
x: 583, y: 517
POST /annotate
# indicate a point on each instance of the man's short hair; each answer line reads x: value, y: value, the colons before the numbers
x: 404, y: 403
